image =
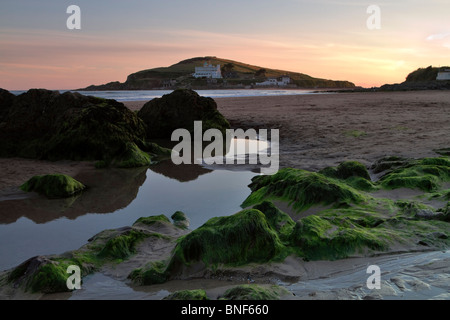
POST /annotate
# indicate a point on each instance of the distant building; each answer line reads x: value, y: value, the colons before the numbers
x: 208, y: 71
x: 443, y: 75
x: 275, y: 82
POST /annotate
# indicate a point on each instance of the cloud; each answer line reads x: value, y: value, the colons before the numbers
x: 438, y: 36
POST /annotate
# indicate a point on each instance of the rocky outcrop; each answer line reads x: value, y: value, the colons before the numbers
x: 45, y: 124
x: 180, y: 109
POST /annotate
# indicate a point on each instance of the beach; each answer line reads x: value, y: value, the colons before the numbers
x: 316, y: 131
x: 323, y: 130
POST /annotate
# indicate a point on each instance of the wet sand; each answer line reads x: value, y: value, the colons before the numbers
x: 323, y: 130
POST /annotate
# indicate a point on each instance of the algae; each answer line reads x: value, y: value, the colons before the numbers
x: 154, y: 272
x: 254, y: 292
x: 302, y: 189
x: 122, y: 246
x: 234, y: 240
x: 198, y: 294
x: 54, y: 185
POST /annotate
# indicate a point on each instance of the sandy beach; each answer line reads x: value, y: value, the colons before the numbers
x: 323, y: 130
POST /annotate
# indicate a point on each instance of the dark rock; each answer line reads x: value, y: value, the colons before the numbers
x: 180, y: 109
x: 45, y: 124
x: 388, y: 163
x: 6, y: 101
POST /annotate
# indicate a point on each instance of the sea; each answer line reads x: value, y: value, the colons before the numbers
x: 146, y: 95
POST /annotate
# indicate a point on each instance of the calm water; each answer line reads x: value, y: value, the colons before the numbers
x: 145, y: 95
x: 116, y: 198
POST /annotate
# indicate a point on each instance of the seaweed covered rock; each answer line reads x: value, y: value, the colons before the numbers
x: 54, y: 185
x: 388, y: 163
x: 277, y: 219
x: 334, y: 238
x: 198, y: 294
x: 122, y: 245
x: 180, y: 109
x: 180, y: 220
x: 40, y: 274
x: 48, y: 274
x: 255, y: 292
x: 346, y: 170
x: 234, y: 240
x: 354, y: 174
x: 45, y: 124
x: 424, y: 174
x: 301, y: 189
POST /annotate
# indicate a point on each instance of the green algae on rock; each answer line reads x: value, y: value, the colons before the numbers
x: 154, y: 272
x: 54, y: 185
x: 180, y: 220
x: 426, y: 174
x: 319, y: 237
x: 302, y: 189
x: 48, y: 274
x: 346, y: 170
x: 234, y: 240
x: 43, y: 124
x: 255, y: 292
x: 277, y: 219
x: 198, y: 294
x: 123, y: 245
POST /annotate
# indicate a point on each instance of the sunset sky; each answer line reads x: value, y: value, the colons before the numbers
x: 322, y: 38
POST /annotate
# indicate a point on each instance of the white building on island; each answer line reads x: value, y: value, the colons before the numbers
x: 443, y: 75
x: 208, y: 71
x: 275, y: 82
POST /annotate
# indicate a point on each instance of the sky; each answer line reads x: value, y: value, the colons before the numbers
x: 322, y: 38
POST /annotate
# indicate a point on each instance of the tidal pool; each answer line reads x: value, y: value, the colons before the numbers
x: 116, y: 198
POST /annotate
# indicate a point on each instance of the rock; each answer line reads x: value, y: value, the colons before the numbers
x: 180, y: 220
x: 438, y: 235
x: 346, y: 170
x: 40, y: 274
x: 180, y: 109
x: 199, y: 294
x: 54, y: 186
x: 302, y: 189
x: 45, y: 124
x: 399, y: 282
x: 425, y: 174
x: 6, y: 101
x: 425, y: 214
x: 255, y: 292
x: 233, y: 240
x: 388, y: 163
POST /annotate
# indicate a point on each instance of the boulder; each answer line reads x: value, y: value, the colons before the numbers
x: 180, y: 109
x: 180, y: 220
x: 45, y: 124
x: 6, y: 100
x: 54, y: 185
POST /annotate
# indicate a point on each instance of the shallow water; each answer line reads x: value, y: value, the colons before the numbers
x: 116, y: 198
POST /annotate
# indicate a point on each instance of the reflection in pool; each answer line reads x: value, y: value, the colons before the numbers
x: 116, y: 198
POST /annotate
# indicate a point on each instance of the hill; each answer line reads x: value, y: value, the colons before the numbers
x: 420, y: 79
x: 236, y: 74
